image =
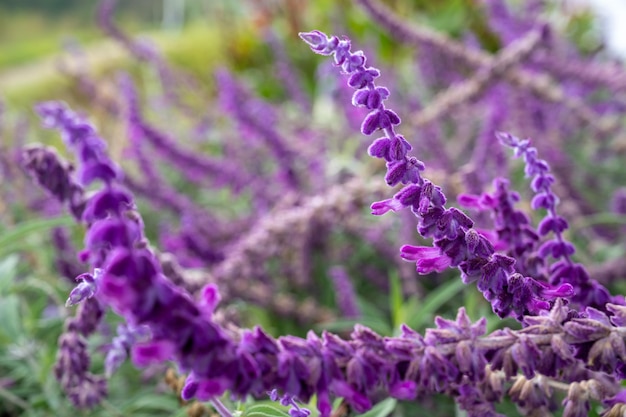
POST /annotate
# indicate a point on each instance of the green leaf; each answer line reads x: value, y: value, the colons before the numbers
x: 434, y: 301
x: 370, y: 310
x: 395, y: 299
x: 16, y: 238
x: 8, y: 272
x: 182, y: 412
x: 40, y: 286
x: 371, y: 316
x: 605, y: 218
x: 382, y: 409
x: 265, y: 410
x: 11, y: 328
x: 147, y: 402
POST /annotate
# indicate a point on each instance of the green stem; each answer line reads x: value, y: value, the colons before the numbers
x: 596, y: 219
x: 14, y: 399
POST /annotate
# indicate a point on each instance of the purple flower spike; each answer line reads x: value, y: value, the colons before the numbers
x: 346, y: 298
x: 587, y: 292
x: 455, y: 243
x: 83, y: 140
x: 55, y: 175
x: 515, y: 236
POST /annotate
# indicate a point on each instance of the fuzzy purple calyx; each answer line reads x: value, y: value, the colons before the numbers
x: 319, y: 43
x: 86, y: 288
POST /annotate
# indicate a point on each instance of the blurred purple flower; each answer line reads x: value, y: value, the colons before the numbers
x: 345, y: 296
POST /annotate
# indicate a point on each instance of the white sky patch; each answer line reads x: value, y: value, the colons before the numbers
x: 612, y: 14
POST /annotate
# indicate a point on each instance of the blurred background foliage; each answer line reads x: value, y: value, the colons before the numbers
x: 200, y: 34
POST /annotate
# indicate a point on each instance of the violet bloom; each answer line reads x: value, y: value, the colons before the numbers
x: 242, y: 107
x: 71, y: 368
x: 456, y: 243
x: 55, y: 175
x: 617, y: 405
x: 196, y: 168
x: 289, y: 401
x: 513, y: 227
x: 449, y: 359
x: 117, y: 352
x: 587, y: 292
x: 345, y: 295
x: 86, y: 288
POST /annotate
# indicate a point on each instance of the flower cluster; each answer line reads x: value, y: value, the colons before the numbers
x: 514, y: 232
x: 54, y: 175
x: 587, y: 292
x: 573, y: 335
x: 452, y: 358
x: 456, y: 243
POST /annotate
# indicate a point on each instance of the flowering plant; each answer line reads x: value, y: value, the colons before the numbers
x: 567, y: 329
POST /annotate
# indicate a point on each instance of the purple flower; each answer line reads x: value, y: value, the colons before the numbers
x: 86, y: 288
x: 448, y: 227
x: 616, y: 404
x: 71, y: 369
x: 345, y: 295
x: 126, y: 338
x: 451, y: 358
x: 55, y: 175
x: 289, y: 401
x: 512, y: 226
x: 427, y: 259
x: 587, y: 292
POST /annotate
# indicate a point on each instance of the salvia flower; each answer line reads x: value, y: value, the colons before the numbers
x: 289, y: 401
x: 117, y: 352
x: 616, y: 404
x: 71, y: 369
x: 587, y: 292
x: 86, y: 288
x: 446, y: 359
x: 515, y: 233
x: 346, y: 299
x: 449, y: 359
x: 55, y: 175
x: 457, y: 243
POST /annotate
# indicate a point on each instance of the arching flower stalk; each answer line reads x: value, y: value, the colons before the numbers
x: 456, y: 243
